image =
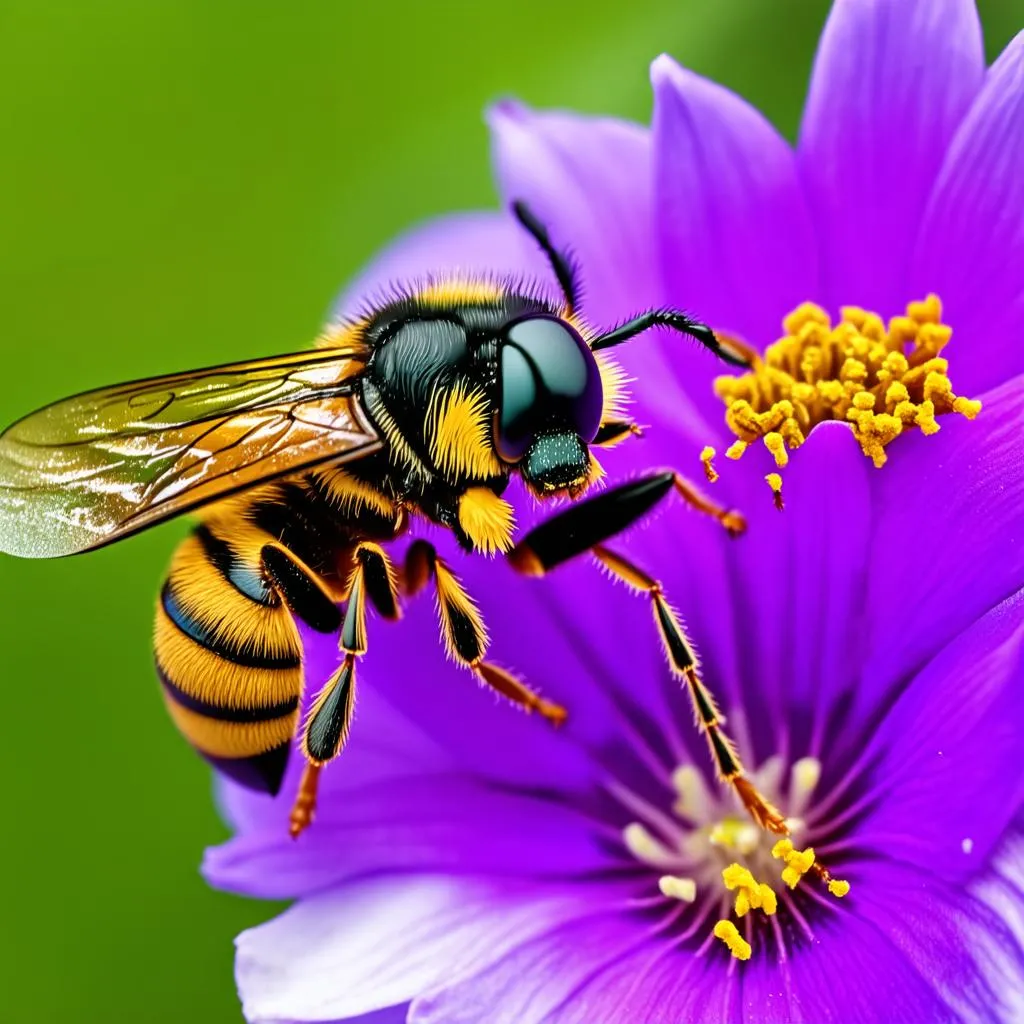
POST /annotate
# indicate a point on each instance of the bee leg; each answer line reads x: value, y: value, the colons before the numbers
x: 676, y: 321
x: 584, y: 527
x: 465, y: 635
x: 614, y: 432
x: 592, y: 521
x: 683, y: 662
x: 327, y: 725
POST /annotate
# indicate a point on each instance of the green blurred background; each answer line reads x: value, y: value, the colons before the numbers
x: 186, y: 183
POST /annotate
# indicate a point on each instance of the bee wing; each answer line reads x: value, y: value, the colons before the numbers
x: 91, y: 469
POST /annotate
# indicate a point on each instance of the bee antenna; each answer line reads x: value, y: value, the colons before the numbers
x: 561, y: 264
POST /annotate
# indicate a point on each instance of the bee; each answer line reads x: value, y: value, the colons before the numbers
x: 303, y: 470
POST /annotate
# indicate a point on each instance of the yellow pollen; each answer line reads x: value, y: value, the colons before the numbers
x: 774, y: 481
x: 798, y: 862
x: 707, y: 455
x: 728, y: 933
x: 750, y: 894
x: 838, y: 887
x: 881, y: 380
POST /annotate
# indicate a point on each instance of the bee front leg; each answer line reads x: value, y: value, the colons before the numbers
x: 326, y: 728
x: 463, y: 630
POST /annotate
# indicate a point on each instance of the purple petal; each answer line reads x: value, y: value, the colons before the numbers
x: 798, y: 588
x: 846, y: 972
x: 356, y: 949
x: 952, y: 938
x: 971, y: 247
x: 891, y: 82
x: 491, y: 245
x: 735, y: 239
x: 947, y: 546
x: 422, y: 823
x: 601, y: 966
x: 589, y: 181
x: 944, y: 766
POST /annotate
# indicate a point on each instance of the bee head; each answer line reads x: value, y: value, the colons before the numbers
x: 550, y: 399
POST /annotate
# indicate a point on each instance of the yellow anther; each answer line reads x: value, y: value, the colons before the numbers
x: 798, y: 862
x: 750, y: 894
x: 707, y: 456
x: 684, y: 889
x: 645, y: 847
x: 774, y: 443
x: 729, y: 934
x: 769, y: 901
x: 881, y: 379
x: 774, y: 481
x: 838, y: 887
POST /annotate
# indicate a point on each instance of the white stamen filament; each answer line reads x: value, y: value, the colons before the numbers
x: 673, y: 886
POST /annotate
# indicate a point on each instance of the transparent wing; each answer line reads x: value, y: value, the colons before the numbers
x: 91, y: 469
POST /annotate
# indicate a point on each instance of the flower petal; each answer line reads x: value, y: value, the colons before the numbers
x: 482, y: 244
x: 947, y: 544
x: 421, y: 823
x: 971, y: 246
x: 607, y: 966
x: 588, y: 179
x: 944, y: 772
x: 356, y: 949
x: 734, y: 234
x: 846, y: 972
x: 891, y: 82
x: 953, y: 939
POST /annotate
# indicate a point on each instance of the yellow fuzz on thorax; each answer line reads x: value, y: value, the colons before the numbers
x: 881, y: 380
x: 459, y: 433
x: 456, y: 290
x: 487, y: 520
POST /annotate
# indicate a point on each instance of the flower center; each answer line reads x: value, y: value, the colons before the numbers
x: 881, y: 380
x: 723, y: 862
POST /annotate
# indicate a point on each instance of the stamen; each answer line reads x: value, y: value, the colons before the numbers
x: 694, y: 797
x: 799, y: 862
x: 645, y: 847
x: 750, y: 894
x: 738, y: 834
x: 882, y: 381
x: 706, y: 456
x: 673, y: 886
x: 803, y: 780
x: 728, y: 933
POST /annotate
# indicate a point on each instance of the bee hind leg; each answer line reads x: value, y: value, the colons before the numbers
x: 464, y: 632
x: 326, y: 728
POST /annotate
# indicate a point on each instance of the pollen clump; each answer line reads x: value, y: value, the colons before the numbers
x: 881, y: 379
x: 729, y: 934
x: 750, y: 894
x: 798, y: 862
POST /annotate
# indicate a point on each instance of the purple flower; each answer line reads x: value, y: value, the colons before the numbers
x: 866, y: 644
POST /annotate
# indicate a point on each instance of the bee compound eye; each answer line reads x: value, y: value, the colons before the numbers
x: 548, y: 380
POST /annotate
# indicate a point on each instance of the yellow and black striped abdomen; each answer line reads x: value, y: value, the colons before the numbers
x: 229, y: 659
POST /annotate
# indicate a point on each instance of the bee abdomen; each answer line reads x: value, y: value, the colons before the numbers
x: 229, y: 661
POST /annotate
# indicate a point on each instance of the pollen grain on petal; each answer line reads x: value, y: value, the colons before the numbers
x: 881, y: 379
